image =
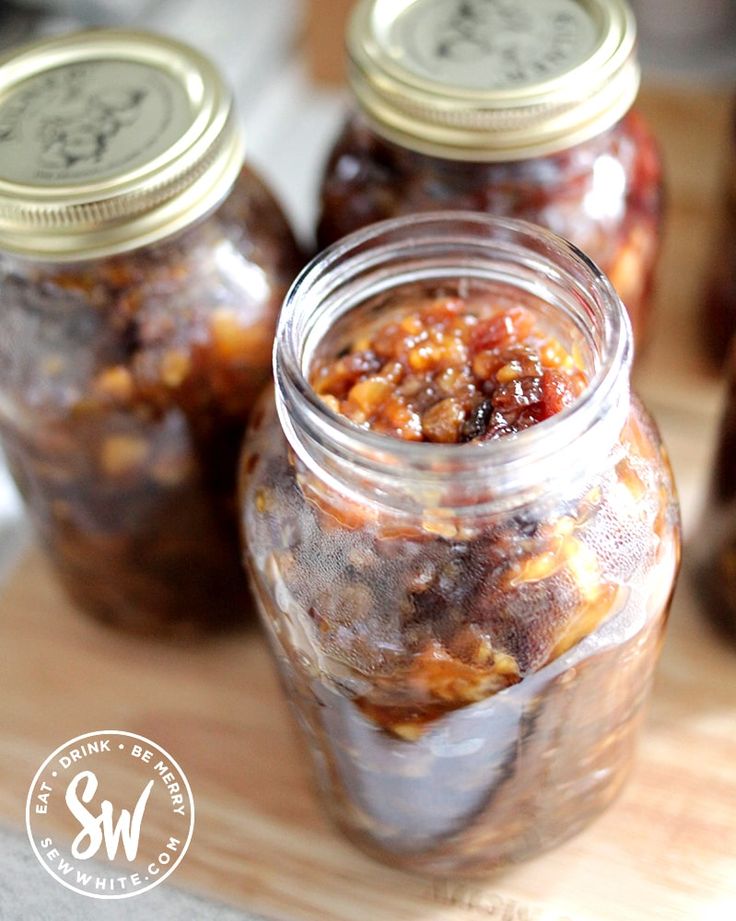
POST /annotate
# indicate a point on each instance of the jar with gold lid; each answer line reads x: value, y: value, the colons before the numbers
x: 142, y: 267
x: 519, y: 109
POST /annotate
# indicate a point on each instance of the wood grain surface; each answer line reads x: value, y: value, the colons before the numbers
x: 665, y: 850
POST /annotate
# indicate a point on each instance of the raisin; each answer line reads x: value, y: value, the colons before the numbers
x: 501, y: 330
x: 518, y: 362
x: 527, y: 391
x: 476, y: 425
x: 499, y: 426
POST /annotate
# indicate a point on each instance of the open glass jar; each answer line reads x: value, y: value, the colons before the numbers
x: 142, y: 269
x: 467, y: 631
x: 515, y: 109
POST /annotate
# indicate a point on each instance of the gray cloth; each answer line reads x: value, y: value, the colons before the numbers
x: 28, y: 893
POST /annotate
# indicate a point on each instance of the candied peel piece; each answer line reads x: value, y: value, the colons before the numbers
x: 370, y: 394
x: 123, y: 455
x: 115, y: 384
x: 175, y: 366
x: 231, y: 338
x: 444, y: 421
x: 438, y: 682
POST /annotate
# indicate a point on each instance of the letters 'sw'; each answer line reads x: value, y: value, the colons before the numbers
x: 102, y: 827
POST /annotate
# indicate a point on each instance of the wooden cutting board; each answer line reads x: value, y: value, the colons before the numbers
x: 665, y: 850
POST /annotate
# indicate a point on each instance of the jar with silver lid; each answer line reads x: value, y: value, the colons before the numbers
x: 142, y: 267
x: 518, y: 109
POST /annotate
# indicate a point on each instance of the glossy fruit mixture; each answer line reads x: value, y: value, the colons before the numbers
x: 444, y: 368
x: 448, y: 371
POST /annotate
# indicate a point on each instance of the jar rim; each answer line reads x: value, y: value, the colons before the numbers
x: 307, y: 420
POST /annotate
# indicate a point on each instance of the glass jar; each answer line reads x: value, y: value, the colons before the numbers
x: 714, y: 551
x: 719, y: 323
x: 478, y: 105
x: 142, y: 269
x: 467, y: 631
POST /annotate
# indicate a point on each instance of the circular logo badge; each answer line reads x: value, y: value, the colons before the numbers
x: 110, y: 814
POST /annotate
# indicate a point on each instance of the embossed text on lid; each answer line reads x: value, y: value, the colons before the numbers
x: 109, y: 140
x: 493, y: 45
x: 91, y: 120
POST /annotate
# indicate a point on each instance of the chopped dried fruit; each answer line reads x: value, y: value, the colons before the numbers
x: 444, y: 421
x: 117, y: 383
x: 122, y: 455
x: 478, y: 422
x: 175, y: 366
x: 501, y: 330
x: 468, y: 372
x: 369, y: 395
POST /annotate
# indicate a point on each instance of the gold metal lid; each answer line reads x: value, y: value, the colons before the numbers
x: 110, y: 140
x: 493, y: 80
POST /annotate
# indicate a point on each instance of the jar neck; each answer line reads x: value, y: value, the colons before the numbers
x: 548, y: 275
x: 563, y: 164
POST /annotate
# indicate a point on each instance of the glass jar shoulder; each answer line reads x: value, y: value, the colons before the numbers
x: 369, y: 178
x: 245, y: 238
x: 252, y: 217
